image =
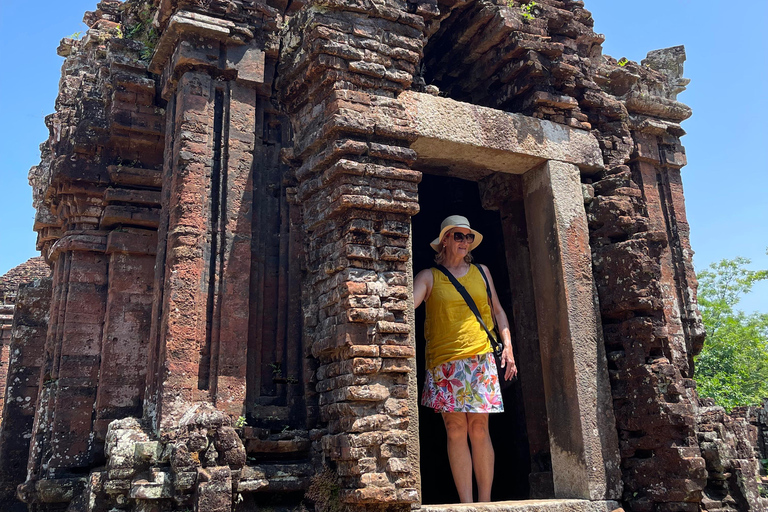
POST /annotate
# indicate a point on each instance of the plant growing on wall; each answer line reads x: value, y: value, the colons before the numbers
x: 526, y: 9
x: 733, y: 364
x: 137, y: 25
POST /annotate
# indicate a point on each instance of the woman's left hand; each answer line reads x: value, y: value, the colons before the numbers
x: 508, y: 362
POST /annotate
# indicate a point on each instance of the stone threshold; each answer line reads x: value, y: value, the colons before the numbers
x: 528, y: 506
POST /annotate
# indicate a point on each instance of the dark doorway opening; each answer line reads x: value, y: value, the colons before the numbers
x: 439, y: 197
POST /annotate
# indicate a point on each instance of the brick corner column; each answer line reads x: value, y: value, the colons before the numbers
x: 340, y: 84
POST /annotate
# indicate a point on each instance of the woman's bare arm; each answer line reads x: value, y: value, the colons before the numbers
x: 502, y: 323
x: 422, y: 287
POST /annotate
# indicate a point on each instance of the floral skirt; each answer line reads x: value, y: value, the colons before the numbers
x: 464, y: 385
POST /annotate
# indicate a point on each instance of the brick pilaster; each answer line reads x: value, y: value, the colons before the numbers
x: 201, y: 319
x: 357, y: 193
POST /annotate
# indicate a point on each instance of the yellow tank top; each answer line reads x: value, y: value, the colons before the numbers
x: 450, y: 328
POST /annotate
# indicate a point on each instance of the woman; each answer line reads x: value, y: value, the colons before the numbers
x: 461, y: 381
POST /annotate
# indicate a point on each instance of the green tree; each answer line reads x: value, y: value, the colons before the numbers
x: 733, y: 366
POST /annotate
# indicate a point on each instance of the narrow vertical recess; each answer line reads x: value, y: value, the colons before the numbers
x: 678, y: 260
x: 256, y: 299
x: 211, y: 326
x: 61, y: 313
x: 221, y: 131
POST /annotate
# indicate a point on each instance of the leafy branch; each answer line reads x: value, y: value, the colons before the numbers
x: 526, y: 10
x: 732, y: 365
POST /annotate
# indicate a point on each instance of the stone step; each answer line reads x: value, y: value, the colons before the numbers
x: 277, y: 446
x: 261, y: 442
x: 289, y: 477
x: 529, y: 506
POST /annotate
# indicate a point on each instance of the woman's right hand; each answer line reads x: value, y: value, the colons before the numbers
x: 508, y: 362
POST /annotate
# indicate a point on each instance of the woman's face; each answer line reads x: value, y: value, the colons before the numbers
x: 454, y: 247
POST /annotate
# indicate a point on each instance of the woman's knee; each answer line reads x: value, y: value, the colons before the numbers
x: 477, y: 426
x: 455, y: 425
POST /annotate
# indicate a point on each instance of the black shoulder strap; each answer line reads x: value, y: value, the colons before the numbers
x: 470, y: 302
x: 487, y: 286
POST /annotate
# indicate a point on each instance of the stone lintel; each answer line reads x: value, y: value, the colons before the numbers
x: 454, y: 134
x: 582, y: 431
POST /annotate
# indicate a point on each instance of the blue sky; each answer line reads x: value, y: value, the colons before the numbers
x: 725, y: 180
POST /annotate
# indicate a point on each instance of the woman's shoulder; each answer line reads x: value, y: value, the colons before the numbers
x: 481, y: 271
x: 422, y: 286
x: 425, y: 274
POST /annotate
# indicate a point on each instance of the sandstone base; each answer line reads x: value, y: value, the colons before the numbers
x: 528, y: 506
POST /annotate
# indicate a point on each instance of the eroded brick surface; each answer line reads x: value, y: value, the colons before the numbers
x: 25, y: 357
x: 225, y: 199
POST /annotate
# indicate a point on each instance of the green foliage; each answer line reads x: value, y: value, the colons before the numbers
x: 135, y: 31
x: 764, y: 487
x: 623, y: 61
x: 733, y: 365
x: 75, y: 36
x: 527, y: 10
x: 240, y: 422
x: 137, y: 25
x: 150, y: 42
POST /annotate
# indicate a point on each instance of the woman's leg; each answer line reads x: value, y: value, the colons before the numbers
x: 482, y: 454
x: 458, y: 453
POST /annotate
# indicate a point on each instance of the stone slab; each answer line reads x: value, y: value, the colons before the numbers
x: 528, y: 506
x: 582, y: 434
x: 454, y: 134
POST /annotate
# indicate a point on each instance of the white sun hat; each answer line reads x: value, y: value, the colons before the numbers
x: 456, y: 221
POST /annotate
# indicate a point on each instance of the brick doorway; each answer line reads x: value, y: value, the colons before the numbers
x: 440, y: 196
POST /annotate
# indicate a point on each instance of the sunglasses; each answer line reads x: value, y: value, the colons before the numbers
x: 460, y: 237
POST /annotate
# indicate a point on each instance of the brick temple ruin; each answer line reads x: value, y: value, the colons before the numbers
x: 232, y: 201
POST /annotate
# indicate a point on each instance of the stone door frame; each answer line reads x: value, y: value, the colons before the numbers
x: 550, y: 157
